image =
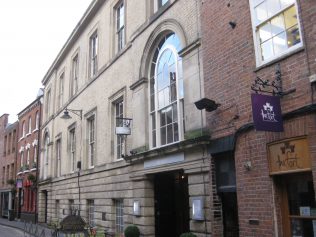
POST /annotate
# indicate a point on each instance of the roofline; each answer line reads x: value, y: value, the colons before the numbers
x: 31, y: 104
x: 85, y: 19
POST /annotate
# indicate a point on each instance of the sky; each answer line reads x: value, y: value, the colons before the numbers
x: 32, y: 32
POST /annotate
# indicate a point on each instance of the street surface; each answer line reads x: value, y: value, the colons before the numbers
x: 10, y: 232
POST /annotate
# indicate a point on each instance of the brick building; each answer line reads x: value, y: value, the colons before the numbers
x: 264, y: 181
x: 27, y: 160
x: 8, y: 143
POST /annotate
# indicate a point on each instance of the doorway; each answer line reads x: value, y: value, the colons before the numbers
x: 172, y: 214
x: 298, y: 204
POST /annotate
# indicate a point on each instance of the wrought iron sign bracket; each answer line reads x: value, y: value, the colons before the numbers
x: 271, y: 87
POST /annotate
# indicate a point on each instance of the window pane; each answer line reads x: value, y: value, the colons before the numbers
x: 279, y: 42
x: 290, y: 17
x: 166, y: 96
x: 176, y: 132
x: 261, y: 13
x: 163, y: 135
x: 175, y: 112
x: 152, y: 102
x: 154, y: 138
x: 265, y: 32
x: 267, y: 50
x: 169, y: 115
x: 273, y: 7
x: 277, y: 25
x: 293, y: 36
x: 257, y: 2
x: 163, y: 118
x: 285, y: 3
x: 169, y: 134
x: 161, y: 99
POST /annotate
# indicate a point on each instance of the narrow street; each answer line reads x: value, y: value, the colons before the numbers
x: 6, y: 231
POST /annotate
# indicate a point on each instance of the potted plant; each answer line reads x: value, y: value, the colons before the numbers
x: 34, y: 165
x: 131, y: 231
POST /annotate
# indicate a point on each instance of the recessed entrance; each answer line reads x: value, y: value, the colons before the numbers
x: 171, y: 204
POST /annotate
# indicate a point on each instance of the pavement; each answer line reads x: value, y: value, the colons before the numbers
x: 17, y: 224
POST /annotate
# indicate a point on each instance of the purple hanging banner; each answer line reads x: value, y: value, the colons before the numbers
x: 266, y: 113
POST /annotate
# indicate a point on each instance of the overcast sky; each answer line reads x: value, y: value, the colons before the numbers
x: 32, y: 32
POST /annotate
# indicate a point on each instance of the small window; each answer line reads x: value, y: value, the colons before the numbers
x: 23, y: 129
x: 74, y: 81
x: 91, y: 140
x: 37, y: 120
x: 119, y: 142
x: 22, y: 159
x: 58, y: 157
x: 276, y: 28
x: 119, y: 216
x: 61, y: 90
x: 72, y: 143
x: 47, y: 107
x: 94, y: 54
x: 120, y: 26
x: 90, y: 213
x: 30, y: 125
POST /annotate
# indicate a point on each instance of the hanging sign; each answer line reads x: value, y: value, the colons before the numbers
x: 266, y: 113
x: 287, y: 156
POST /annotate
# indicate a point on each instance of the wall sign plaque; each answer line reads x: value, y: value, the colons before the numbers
x: 290, y: 155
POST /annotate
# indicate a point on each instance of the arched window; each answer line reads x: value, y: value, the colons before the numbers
x: 166, y: 93
x: 30, y: 125
x: 37, y: 120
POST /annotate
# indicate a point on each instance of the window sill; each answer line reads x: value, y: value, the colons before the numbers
x: 280, y: 58
x: 29, y: 134
x: 35, y: 130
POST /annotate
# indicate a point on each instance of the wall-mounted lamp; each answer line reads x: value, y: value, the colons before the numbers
x: 198, y: 208
x: 136, y: 208
x: 66, y: 114
x: 207, y: 104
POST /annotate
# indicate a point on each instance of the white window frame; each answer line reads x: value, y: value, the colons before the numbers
x: 30, y: 125
x: 94, y: 47
x: 91, y: 124
x: 58, y: 157
x: 37, y: 120
x: 157, y: 109
x: 74, y: 75
x: 23, y: 129
x: 28, y: 157
x: 61, y: 90
x: 255, y: 27
x: 119, y: 148
x: 72, y: 148
x: 119, y: 216
x: 120, y: 25
x: 91, y: 212
x: 22, y: 159
x: 48, y: 101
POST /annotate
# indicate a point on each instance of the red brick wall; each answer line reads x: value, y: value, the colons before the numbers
x: 229, y: 71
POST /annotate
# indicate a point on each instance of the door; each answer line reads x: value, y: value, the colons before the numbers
x: 298, y: 205
x: 171, y: 204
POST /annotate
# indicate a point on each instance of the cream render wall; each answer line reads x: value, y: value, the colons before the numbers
x: 111, y: 178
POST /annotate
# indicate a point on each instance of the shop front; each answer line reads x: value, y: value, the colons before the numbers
x: 291, y: 169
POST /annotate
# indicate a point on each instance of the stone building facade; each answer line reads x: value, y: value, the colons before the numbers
x: 133, y: 149
x: 27, y: 160
x: 268, y: 176
x: 8, y: 139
